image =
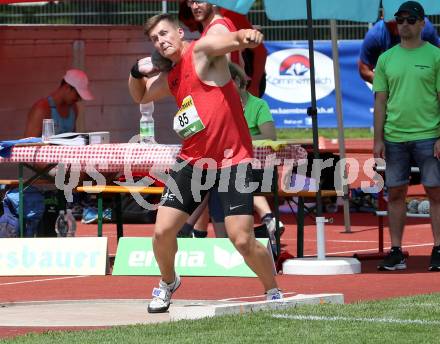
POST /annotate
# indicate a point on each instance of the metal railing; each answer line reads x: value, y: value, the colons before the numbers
x: 135, y: 12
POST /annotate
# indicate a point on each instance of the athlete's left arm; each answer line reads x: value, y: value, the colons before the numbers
x: 218, y: 45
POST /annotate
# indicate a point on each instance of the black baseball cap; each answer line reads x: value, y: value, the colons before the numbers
x: 413, y: 8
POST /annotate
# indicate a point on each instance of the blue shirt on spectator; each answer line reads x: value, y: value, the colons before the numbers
x: 379, y: 39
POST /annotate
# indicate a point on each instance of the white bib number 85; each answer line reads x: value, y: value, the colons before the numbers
x: 187, y: 121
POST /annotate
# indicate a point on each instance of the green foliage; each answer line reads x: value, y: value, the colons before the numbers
x: 329, y: 133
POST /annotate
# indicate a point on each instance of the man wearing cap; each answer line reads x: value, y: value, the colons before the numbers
x: 407, y: 126
x: 381, y: 37
x: 60, y: 105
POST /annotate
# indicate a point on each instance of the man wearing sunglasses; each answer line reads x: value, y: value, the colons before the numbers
x: 381, y: 37
x: 407, y: 126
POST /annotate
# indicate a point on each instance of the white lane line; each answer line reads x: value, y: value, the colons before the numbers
x: 412, y: 305
x: 375, y: 249
x: 348, y: 241
x: 255, y: 296
x: 42, y: 280
x: 353, y: 241
x: 372, y: 320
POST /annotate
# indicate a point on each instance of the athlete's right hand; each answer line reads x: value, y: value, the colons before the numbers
x: 251, y: 38
x: 143, y: 68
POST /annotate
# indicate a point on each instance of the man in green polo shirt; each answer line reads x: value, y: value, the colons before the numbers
x: 407, y: 126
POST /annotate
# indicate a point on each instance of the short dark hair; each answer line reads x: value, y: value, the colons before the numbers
x: 153, y: 21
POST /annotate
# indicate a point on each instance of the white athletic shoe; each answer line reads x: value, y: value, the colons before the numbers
x: 162, y: 296
x: 274, y: 294
x: 271, y: 227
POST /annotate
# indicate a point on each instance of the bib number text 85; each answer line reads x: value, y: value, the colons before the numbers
x: 183, y: 119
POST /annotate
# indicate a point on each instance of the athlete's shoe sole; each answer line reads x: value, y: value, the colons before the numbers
x: 401, y: 266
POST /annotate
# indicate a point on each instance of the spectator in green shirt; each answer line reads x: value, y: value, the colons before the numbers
x: 257, y: 112
x: 407, y: 126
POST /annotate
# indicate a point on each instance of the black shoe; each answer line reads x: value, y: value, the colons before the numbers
x: 434, y: 265
x: 199, y: 234
x: 394, y: 260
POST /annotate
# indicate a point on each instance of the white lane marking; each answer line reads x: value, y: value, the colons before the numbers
x: 375, y: 249
x: 42, y: 280
x: 354, y: 241
x: 349, y: 241
x: 412, y: 305
x: 255, y: 296
x: 372, y: 320
x: 314, y: 240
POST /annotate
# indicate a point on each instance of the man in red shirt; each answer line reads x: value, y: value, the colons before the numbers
x: 207, y: 18
x: 213, y: 23
x: 211, y: 122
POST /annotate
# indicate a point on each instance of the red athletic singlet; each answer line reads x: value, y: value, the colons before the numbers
x: 235, y: 55
x: 219, y: 109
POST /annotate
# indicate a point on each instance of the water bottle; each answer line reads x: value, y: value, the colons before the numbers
x: 71, y: 223
x: 147, y: 123
x: 61, y: 225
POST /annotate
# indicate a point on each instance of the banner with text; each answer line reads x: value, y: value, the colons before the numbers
x: 195, y: 257
x: 53, y: 256
x: 288, y: 85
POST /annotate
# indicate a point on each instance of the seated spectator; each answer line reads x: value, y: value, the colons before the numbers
x: 60, y: 105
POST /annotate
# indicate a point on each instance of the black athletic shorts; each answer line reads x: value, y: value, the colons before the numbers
x: 187, y: 187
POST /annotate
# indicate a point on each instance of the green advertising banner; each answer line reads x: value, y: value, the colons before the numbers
x: 196, y: 257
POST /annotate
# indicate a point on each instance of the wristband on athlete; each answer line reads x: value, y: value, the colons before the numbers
x: 135, y: 73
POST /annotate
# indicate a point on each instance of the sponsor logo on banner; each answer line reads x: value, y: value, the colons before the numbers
x: 288, y: 75
x: 196, y: 257
x: 53, y: 256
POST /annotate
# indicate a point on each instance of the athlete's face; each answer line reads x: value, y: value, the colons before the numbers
x: 200, y: 10
x: 167, y: 39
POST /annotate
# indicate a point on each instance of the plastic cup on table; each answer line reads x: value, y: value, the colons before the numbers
x: 48, y: 129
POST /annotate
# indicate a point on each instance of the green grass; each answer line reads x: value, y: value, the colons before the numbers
x: 366, y: 322
x: 330, y: 133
